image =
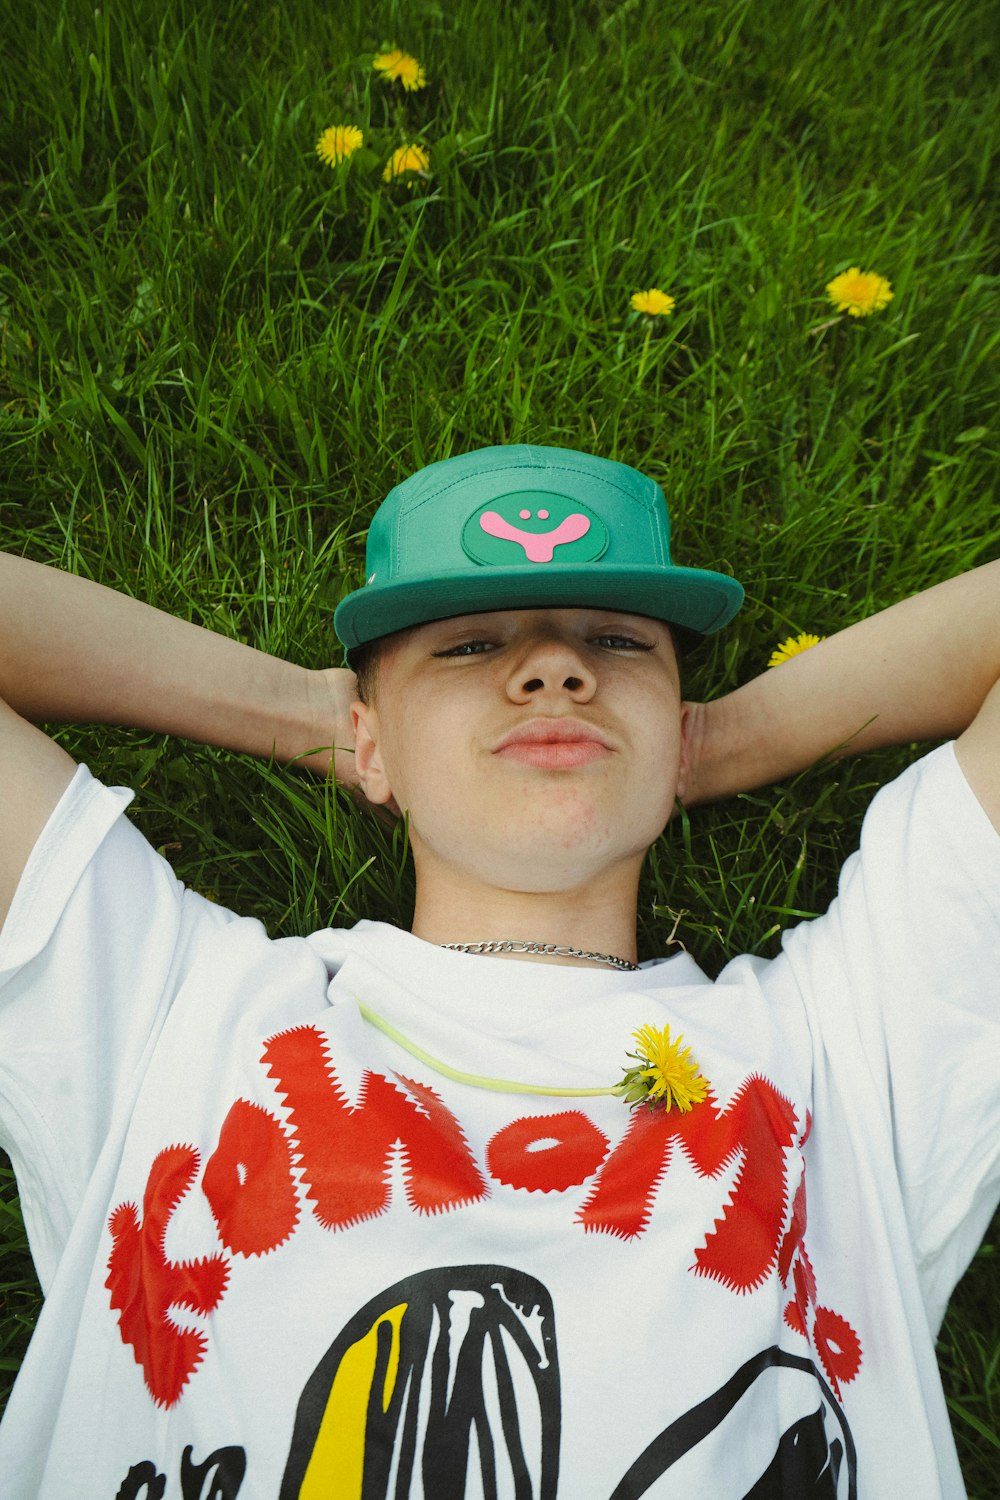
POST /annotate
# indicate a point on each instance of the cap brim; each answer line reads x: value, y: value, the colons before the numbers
x: 693, y: 598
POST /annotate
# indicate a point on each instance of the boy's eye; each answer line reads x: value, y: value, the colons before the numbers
x: 610, y: 640
x: 622, y: 643
x: 465, y: 648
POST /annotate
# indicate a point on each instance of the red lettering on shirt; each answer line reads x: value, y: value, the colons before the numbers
x: 796, y: 1230
x: 833, y: 1338
x: 546, y: 1153
x: 838, y: 1347
x: 144, y: 1284
x: 344, y: 1149
x: 248, y: 1181
x: 756, y: 1128
x: 345, y: 1152
x: 804, y: 1283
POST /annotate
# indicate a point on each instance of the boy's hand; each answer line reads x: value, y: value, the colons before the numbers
x: 696, y: 774
x: 331, y: 691
x: 926, y: 668
x: 73, y: 651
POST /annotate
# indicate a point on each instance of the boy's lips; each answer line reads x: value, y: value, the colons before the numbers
x: 554, y: 743
x: 554, y: 731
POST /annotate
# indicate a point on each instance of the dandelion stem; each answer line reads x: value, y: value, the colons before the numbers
x: 644, y: 354
x: 475, y: 1080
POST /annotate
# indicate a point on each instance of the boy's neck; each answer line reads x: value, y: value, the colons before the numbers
x: 593, y: 920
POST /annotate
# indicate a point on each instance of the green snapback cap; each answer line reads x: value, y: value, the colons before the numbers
x: 524, y: 527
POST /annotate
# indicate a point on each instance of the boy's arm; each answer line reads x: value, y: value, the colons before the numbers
x: 927, y: 668
x: 73, y: 651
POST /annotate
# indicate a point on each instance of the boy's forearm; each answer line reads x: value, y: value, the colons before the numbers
x: 917, y: 671
x: 72, y: 651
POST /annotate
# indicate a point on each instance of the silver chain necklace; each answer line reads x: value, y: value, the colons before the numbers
x: 551, y: 950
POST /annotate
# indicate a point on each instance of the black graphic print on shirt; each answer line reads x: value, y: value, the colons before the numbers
x: 448, y: 1384
x: 448, y: 1368
x: 813, y: 1457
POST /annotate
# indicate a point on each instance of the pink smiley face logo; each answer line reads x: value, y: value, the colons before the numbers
x: 536, y: 528
x: 539, y: 546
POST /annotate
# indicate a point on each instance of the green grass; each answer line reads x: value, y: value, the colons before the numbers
x: 217, y: 354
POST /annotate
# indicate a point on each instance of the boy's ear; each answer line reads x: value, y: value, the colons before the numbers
x: 367, y: 758
x: 685, y: 760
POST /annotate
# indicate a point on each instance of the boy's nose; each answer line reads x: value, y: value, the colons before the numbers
x: 552, y: 666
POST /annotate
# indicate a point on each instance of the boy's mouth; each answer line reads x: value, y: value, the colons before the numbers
x: 555, y: 743
x: 555, y: 756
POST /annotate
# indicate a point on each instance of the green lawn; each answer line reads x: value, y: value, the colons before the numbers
x: 218, y: 352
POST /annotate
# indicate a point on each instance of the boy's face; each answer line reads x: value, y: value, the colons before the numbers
x: 542, y: 815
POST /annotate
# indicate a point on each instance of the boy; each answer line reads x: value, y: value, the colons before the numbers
x: 360, y: 1214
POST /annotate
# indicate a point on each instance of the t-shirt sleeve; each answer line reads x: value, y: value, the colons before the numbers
x: 901, y: 977
x: 97, y: 941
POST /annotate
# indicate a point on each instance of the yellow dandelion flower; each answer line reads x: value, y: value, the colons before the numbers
x: 406, y: 159
x: 401, y: 65
x: 667, y: 1074
x: 337, y: 143
x: 654, y: 302
x: 794, y: 646
x: 859, y: 292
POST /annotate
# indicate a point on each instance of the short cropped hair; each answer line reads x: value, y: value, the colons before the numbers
x: 363, y: 661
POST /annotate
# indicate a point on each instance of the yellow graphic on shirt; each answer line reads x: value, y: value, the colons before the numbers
x: 445, y: 1383
x: 338, y: 1459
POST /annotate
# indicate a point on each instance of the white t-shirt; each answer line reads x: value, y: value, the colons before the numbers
x: 284, y: 1257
